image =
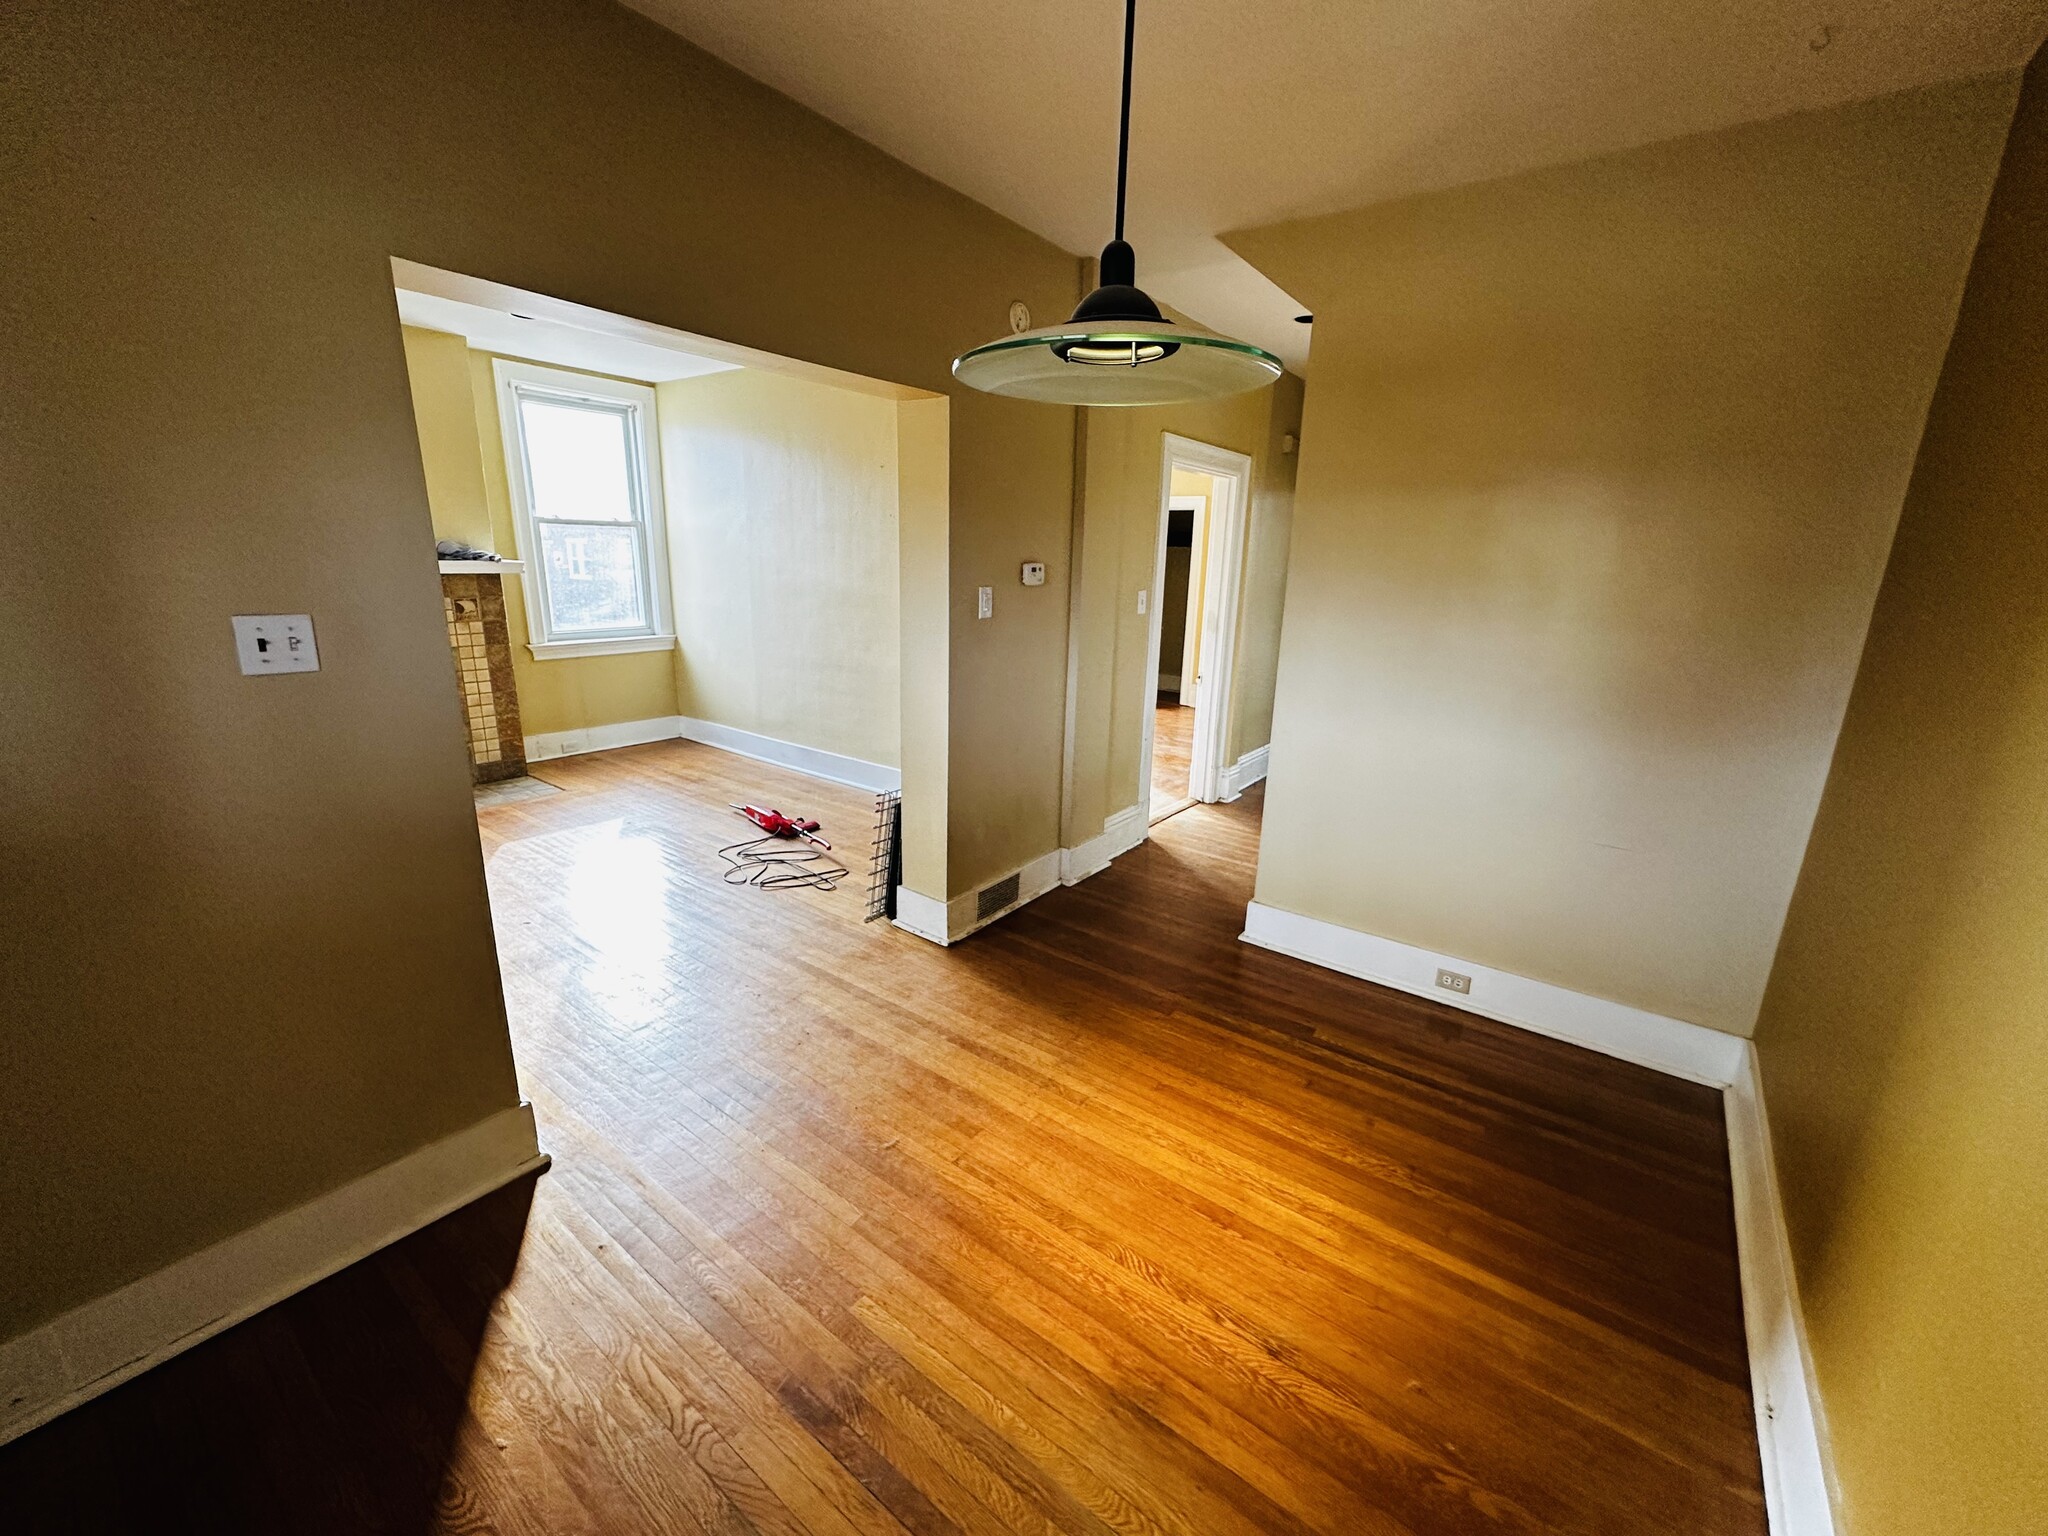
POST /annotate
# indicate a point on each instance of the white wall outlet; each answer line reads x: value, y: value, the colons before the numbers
x: 1034, y: 573
x: 985, y: 602
x: 275, y: 642
x: 1454, y: 981
x: 1141, y: 600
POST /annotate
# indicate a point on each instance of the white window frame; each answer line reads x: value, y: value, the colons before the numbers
x: 516, y: 381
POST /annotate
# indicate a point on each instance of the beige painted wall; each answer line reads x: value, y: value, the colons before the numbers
x: 924, y: 637
x: 1265, y: 572
x: 1597, y: 479
x: 1903, y: 1040
x: 1116, y: 532
x: 249, y: 955
x: 782, y: 538
x: 1007, y: 684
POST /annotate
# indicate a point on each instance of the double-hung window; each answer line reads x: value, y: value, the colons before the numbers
x: 584, y: 473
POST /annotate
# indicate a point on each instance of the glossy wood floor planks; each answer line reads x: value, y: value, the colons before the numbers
x: 1100, y: 1222
x: 1173, y: 747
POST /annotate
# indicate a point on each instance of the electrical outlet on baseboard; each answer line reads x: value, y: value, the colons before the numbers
x: 1454, y: 981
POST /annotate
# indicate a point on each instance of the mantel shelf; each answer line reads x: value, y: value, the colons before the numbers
x: 482, y: 567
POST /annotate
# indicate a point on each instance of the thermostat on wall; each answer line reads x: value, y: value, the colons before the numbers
x: 1034, y: 573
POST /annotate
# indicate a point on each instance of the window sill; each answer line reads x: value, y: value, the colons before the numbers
x: 566, y: 650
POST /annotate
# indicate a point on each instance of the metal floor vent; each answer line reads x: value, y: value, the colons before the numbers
x: 991, y: 899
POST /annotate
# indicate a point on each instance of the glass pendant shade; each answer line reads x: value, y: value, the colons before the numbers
x: 1092, y: 365
x: 1118, y: 349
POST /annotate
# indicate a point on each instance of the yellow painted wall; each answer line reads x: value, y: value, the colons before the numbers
x: 1116, y: 533
x: 1598, y: 474
x: 1904, y: 1038
x: 563, y: 693
x: 1257, y: 665
x: 437, y: 368
x: 924, y: 583
x: 250, y: 956
x: 782, y: 537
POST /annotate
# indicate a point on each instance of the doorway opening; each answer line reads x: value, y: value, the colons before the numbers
x: 1198, y: 578
x: 678, y: 575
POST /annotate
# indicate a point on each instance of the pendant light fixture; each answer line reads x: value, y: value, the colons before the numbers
x: 1118, y: 349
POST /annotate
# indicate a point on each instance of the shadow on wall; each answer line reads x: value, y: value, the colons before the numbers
x: 345, y: 1402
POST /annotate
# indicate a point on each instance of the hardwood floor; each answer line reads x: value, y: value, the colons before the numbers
x: 1173, y: 743
x: 1099, y: 1222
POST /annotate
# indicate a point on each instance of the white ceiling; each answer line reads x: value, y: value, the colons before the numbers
x: 545, y: 339
x: 1246, y: 112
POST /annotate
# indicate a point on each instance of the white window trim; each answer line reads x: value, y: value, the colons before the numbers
x: 561, y: 650
x: 658, y: 634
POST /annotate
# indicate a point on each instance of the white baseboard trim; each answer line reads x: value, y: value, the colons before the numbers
x: 922, y: 915
x: 1691, y: 1051
x: 602, y: 738
x: 815, y: 761
x: 1245, y: 772
x: 1033, y: 881
x: 950, y: 922
x: 106, y: 1341
x: 1120, y: 834
x: 1790, y: 1429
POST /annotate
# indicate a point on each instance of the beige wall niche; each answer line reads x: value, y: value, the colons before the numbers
x: 1116, y: 534
x: 1903, y: 1042
x: 1598, y: 474
x: 262, y: 961
x: 782, y: 540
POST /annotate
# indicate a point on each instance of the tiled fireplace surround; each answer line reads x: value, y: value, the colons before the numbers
x: 475, y: 609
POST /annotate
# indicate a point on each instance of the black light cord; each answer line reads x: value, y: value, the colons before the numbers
x: 1123, y: 139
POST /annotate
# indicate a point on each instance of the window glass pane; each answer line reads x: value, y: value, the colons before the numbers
x: 592, y: 583
x: 578, y: 460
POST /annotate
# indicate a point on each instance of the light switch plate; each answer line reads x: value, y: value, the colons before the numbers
x: 275, y: 642
x: 1142, y: 594
x: 985, y: 602
x: 1034, y: 573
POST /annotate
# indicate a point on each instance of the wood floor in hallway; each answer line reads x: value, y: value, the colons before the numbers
x: 1173, y: 750
x: 1099, y: 1222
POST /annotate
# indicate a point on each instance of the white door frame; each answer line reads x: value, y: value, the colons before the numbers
x: 1222, y: 603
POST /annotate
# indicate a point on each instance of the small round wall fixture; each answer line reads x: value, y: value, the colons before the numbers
x: 1117, y: 348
